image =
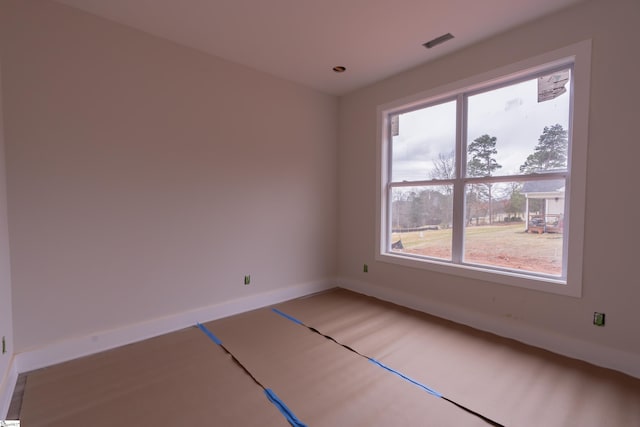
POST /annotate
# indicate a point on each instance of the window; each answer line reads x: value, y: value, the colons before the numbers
x: 485, y: 178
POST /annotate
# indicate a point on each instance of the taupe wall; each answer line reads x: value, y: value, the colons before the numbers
x: 146, y: 179
x: 6, y: 322
x: 610, y: 282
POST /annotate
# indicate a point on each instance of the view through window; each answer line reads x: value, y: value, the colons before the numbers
x: 479, y: 178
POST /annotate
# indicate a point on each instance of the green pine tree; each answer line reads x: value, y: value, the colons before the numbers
x: 482, y: 162
x: 550, y: 153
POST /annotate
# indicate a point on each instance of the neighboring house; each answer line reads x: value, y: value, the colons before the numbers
x: 544, y: 209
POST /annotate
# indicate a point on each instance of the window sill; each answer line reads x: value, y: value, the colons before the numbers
x: 543, y: 284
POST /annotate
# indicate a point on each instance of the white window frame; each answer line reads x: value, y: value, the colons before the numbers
x: 579, y: 57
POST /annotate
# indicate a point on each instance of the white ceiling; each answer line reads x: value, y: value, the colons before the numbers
x: 301, y: 40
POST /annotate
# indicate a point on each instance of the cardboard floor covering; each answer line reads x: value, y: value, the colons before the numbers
x: 504, y: 380
x: 179, y: 379
x: 326, y: 385
x: 184, y: 378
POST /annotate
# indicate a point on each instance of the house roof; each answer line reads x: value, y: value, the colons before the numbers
x: 547, y: 186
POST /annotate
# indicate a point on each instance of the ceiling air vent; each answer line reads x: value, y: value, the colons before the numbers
x: 438, y: 40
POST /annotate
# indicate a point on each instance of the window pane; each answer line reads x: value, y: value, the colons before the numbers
x: 516, y: 225
x: 421, y: 220
x: 423, y: 143
x: 520, y: 128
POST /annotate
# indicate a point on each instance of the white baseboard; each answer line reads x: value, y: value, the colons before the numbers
x: 6, y: 388
x: 104, y: 340
x: 625, y: 362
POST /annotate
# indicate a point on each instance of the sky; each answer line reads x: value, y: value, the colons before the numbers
x: 512, y: 114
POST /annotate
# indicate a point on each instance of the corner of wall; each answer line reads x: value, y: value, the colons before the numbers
x: 7, y: 385
x: 8, y: 373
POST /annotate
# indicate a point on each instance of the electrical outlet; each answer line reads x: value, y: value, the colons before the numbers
x: 365, y: 268
x: 598, y: 319
x: 247, y: 279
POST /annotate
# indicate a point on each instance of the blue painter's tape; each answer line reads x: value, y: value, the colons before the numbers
x: 289, y: 415
x: 286, y: 316
x: 404, y: 377
x: 214, y: 338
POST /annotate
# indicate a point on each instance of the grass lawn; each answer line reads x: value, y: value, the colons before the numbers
x: 503, y: 245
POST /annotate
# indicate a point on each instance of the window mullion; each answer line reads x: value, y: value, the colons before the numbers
x: 458, y: 187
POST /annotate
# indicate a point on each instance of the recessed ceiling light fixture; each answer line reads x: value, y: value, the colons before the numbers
x: 339, y: 69
x: 443, y: 38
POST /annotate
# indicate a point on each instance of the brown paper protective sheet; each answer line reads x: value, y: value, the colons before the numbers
x: 504, y: 380
x: 177, y: 379
x: 326, y: 385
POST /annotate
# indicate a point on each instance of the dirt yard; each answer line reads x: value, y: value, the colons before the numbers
x: 507, y: 246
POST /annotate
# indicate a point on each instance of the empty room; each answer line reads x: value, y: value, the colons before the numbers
x: 355, y: 213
